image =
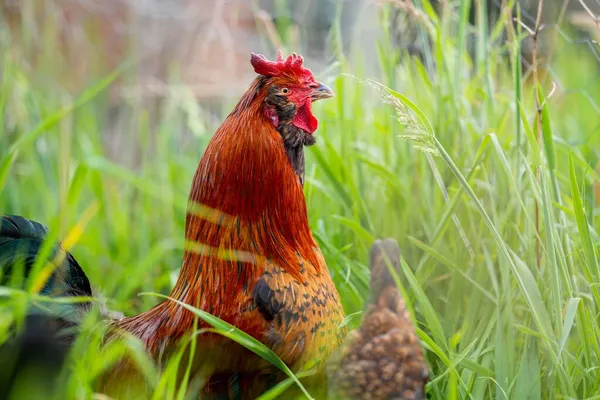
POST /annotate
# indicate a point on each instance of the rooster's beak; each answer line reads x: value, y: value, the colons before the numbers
x: 321, y: 92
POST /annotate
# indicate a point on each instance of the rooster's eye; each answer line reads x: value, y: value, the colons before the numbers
x: 285, y: 91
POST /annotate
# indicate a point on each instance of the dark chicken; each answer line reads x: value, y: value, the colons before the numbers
x: 382, y: 360
x: 38, y: 353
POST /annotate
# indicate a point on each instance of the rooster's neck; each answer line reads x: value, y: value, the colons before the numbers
x: 294, y: 141
x: 249, y: 170
x: 256, y: 206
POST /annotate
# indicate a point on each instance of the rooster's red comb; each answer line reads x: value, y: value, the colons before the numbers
x: 293, y: 66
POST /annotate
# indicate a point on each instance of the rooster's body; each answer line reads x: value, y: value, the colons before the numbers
x: 252, y: 260
x: 274, y: 284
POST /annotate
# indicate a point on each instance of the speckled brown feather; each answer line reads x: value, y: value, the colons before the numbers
x: 382, y: 360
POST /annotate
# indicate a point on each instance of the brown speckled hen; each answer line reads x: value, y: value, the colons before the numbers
x: 381, y: 360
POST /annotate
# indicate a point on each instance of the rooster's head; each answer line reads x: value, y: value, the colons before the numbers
x: 290, y: 90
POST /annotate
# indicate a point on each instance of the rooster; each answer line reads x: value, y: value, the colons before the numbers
x: 252, y: 259
x: 258, y: 266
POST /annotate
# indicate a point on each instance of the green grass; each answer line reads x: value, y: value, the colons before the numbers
x: 445, y: 163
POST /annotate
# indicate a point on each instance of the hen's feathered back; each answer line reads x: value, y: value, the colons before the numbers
x: 20, y: 242
x: 382, y: 360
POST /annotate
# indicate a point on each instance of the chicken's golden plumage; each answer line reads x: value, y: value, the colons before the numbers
x: 253, y: 261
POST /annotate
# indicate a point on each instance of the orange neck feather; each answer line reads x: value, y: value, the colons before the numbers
x: 257, y: 211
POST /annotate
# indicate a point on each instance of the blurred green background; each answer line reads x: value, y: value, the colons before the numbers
x: 494, y: 198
